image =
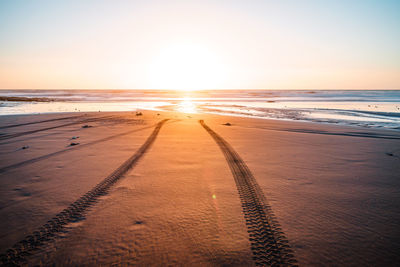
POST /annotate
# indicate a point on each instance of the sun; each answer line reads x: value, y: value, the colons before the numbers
x: 186, y: 66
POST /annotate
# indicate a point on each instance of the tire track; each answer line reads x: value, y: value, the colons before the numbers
x: 40, y: 158
x: 36, y: 122
x: 114, y: 121
x: 323, y: 132
x: 268, y: 244
x: 17, y: 254
x: 13, y: 135
x: 29, y: 138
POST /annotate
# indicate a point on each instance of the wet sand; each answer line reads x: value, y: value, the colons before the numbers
x: 184, y: 197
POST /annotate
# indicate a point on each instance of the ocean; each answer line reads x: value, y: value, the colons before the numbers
x: 363, y: 108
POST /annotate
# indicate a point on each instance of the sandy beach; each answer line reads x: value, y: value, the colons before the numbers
x: 168, y: 188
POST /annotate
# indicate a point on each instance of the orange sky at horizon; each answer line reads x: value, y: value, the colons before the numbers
x: 187, y: 45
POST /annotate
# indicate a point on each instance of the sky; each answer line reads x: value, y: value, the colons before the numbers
x: 285, y: 44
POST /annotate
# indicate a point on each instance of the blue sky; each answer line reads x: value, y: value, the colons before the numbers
x: 200, y: 44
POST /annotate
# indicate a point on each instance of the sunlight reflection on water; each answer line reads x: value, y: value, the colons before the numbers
x: 187, y: 106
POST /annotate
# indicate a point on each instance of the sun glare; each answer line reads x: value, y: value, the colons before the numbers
x: 187, y: 106
x: 186, y: 66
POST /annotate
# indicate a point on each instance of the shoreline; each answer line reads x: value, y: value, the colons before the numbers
x: 368, y: 109
x: 322, y: 123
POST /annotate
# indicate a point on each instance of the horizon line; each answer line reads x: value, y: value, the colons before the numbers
x: 191, y: 90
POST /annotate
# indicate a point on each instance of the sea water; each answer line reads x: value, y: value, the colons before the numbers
x: 365, y: 108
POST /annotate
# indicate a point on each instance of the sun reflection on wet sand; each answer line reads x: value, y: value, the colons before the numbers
x: 187, y: 105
